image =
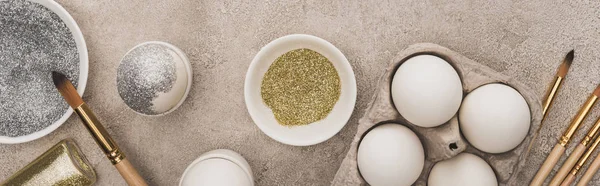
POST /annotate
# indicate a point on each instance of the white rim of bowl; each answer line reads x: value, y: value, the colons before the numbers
x: 224, y: 154
x: 188, y: 69
x: 255, y: 114
x: 83, y: 72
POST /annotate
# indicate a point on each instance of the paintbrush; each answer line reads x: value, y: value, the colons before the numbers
x: 561, y: 74
x: 571, y: 176
x: 108, y: 145
x: 559, y: 148
x: 592, y: 169
x: 575, y: 155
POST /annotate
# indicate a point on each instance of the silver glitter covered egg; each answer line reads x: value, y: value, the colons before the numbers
x: 154, y: 78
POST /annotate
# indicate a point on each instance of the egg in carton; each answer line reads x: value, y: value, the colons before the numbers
x: 444, y: 141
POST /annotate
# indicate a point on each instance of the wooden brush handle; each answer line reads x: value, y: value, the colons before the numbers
x: 568, y: 180
x: 568, y: 165
x: 551, y: 160
x: 129, y: 173
x: 589, y: 173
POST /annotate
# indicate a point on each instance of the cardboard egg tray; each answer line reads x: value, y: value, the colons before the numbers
x: 444, y: 141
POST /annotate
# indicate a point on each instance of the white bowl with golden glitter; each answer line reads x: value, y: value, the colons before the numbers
x: 83, y: 72
x: 312, y: 133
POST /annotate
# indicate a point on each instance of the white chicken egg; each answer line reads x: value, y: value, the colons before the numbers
x: 426, y: 90
x: 462, y: 170
x: 390, y: 154
x: 494, y: 118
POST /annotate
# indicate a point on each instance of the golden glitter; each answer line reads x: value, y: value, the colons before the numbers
x: 300, y: 87
x: 63, y: 164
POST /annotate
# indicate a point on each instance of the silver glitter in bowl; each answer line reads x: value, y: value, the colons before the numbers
x: 152, y: 78
x: 34, y: 41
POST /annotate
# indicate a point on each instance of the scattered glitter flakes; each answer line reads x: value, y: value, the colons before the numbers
x: 301, y: 87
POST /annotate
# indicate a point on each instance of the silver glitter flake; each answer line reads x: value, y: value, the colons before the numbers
x: 34, y: 41
x: 143, y: 73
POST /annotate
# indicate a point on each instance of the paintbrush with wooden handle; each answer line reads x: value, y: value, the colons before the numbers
x: 571, y: 176
x: 575, y: 155
x: 559, y: 78
x: 561, y: 145
x: 108, y: 145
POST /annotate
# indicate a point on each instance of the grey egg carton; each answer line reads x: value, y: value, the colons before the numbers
x: 445, y: 141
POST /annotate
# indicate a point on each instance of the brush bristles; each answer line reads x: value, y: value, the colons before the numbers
x: 597, y: 91
x: 66, y: 89
x: 564, y: 67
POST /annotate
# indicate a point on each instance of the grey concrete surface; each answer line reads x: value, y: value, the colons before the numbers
x: 524, y: 39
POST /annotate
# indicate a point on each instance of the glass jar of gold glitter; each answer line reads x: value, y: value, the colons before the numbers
x: 63, y: 164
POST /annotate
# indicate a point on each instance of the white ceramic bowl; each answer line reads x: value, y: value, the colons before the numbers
x: 313, y: 133
x: 83, y: 72
x: 224, y: 165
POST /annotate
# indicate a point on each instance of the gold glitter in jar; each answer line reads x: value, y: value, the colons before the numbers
x: 300, y: 87
x: 63, y: 164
